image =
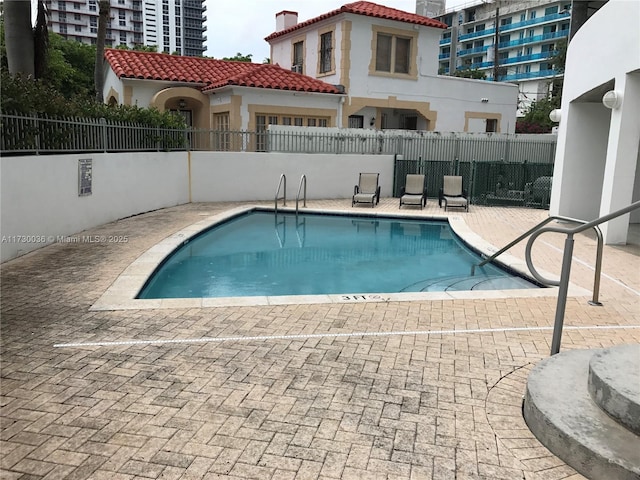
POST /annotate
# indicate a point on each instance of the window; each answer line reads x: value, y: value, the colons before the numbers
x: 532, y: 14
x: 221, y: 125
x: 298, y: 57
x: 311, y: 122
x: 356, y: 121
x: 78, y: 28
x: 62, y: 5
x: 505, y: 21
x: 551, y: 10
x: 492, y: 125
x: 393, y: 53
x: 326, y: 48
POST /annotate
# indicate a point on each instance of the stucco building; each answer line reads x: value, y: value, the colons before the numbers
x: 596, y: 166
x: 173, y: 26
x: 527, y: 37
x: 362, y: 66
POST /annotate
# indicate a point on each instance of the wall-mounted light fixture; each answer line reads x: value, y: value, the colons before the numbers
x: 484, y: 100
x: 555, y: 115
x: 372, y: 122
x: 612, y: 99
x: 182, y: 103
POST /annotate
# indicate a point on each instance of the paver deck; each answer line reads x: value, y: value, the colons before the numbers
x: 319, y: 391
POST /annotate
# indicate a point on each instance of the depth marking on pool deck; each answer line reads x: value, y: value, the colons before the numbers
x: 333, y: 335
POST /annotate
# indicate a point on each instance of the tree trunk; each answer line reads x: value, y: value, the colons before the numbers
x: 41, y: 41
x: 18, y: 37
x: 98, y: 73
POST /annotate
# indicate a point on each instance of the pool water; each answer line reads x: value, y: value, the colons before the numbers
x: 262, y: 254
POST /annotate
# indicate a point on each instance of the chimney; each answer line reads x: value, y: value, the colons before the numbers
x: 286, y: 19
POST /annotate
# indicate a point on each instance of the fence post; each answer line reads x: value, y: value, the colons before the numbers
x: 473, y: 180
x: 507, y: 149
x: 38, y: 143
x: 103, y: 129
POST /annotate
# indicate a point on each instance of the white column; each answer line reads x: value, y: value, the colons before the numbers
x: 622, y: 158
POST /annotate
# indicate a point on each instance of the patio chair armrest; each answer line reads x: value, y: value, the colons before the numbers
x: 402, y: 191
x: 355, y: 189
x: 378, y: 195
x: 440, y: 197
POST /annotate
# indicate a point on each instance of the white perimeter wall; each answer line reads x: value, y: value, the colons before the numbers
x: 39, y: 194
x: 232, y: 176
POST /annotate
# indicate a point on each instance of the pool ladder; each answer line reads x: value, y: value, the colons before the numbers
x: 302, y: 189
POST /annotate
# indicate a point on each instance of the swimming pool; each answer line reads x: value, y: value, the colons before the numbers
x: 258, y: 253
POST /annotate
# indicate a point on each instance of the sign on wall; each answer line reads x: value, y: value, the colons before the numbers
x: 85, y: 176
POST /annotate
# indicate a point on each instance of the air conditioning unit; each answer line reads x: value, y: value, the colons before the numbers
x: 297, y: 68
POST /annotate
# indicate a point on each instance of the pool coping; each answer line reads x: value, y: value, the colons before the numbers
x: 120, y: 295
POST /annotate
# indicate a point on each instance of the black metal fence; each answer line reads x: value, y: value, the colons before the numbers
x: 25, y: 135
x: 486, y: 182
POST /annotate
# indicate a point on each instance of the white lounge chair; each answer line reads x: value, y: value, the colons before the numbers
x: 367, y: 190
x: 452, y: 194
x: 414, y: 192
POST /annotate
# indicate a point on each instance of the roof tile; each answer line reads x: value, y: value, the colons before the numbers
x: 368, y: 9
x: 208, y: 73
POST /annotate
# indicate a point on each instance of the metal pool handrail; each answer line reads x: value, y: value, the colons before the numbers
x: 555, y: 283
x: 303, y: 180
x: 566, y: 265
x: 563, y: 283
x: 283, y: 181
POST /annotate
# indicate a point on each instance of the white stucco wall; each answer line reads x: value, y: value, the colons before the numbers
x: 231, y: 176
x: 39, y: 197
x: 597, y: 156
x: 40, y: 202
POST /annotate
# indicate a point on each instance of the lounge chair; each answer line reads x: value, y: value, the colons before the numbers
x: 414, y: 192
x: 367, y: 190
x: 452, y: 194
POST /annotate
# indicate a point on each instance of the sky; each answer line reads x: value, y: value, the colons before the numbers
x: 240, y: 26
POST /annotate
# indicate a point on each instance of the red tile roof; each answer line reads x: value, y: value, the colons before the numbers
x: 209, y: 73
x: 370, y: 10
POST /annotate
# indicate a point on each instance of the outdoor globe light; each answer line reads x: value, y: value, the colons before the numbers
x: 612, y: 99
x: 555, y: 115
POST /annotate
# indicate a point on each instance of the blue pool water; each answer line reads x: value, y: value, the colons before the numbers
x: 259, y: 254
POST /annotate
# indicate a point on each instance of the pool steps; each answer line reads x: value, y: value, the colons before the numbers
x: 584, y: 406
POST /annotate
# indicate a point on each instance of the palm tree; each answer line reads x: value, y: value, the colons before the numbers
x: 18, y: 37
x: 98, y: 72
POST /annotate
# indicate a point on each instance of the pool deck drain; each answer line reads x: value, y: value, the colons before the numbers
x: 355, y: 390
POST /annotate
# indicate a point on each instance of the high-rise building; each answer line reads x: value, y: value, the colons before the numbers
x: 527, y: 34
x: 170, y: 25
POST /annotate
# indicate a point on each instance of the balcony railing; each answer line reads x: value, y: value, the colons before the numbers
x: 528, y: 75
x: 471, y: 51
x: 534, y: 39
x: 514, y: 26
x: 535, y: 21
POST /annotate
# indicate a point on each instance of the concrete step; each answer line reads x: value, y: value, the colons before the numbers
x: 614, y: 384
x: 561, y: 413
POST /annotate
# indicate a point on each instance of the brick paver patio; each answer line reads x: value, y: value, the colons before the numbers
x: 304, y: 397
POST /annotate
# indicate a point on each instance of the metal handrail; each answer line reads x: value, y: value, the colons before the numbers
x: 283, y: 180
x: 303, y: 180
x: 563, y: 282
x: 554, y: 283
x: 566, y: 265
